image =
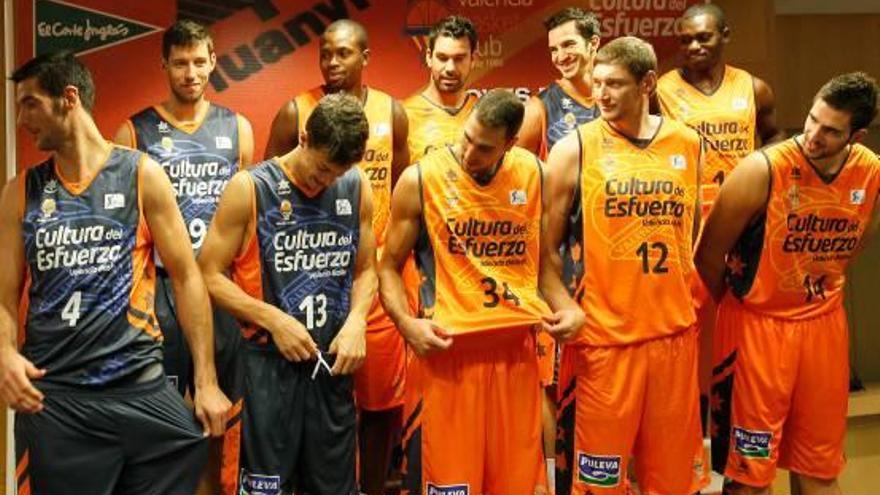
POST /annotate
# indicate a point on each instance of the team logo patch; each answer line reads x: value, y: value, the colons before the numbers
x: 114, y: 201
x: 752, y: 444
x: 48, y: 207
x: 739, y: 104
x: 283, y: 187
x: 462, y: 489
x: 678, y: 162
x: 167, y: 143
x: 794, y: 197
x: 259, y: 484
x: 857, y: 196
x: 223, y: 142
x: 599, y: 470
x: 570, y: 120
x: 382, y: 129
x: 343, y: 207
x: 518, y: 197
x: 286, y: 210
x: 163, y: 127
x: 51, y: 187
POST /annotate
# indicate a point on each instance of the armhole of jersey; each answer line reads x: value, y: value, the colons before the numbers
x: 132, y: 133
x: 21, y: 185
x: 580, y: 171
x: 142, y: 219
x: 769, y: 179
x: 238, y: 120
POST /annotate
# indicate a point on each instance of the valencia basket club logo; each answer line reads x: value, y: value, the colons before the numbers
x: 420, y: 16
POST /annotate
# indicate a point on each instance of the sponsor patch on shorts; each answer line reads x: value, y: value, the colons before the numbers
x: 259, y: 484
x: 599, y: 470
x: 752, y: 444
x: 459, y: 489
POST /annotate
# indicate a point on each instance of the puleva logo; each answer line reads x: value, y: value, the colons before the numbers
x: 462, y: 489
x: 599, y: 470
x: 752, y: 444
x: 60, y: 25
x: 260, y: 484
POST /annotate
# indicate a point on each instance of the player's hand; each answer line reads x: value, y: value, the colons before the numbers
x: 350, y: 347
x: 16, y: 389
x: 292, y: 338
x: 564, y: 324
x: 425, y: 337
x: 211, y: 408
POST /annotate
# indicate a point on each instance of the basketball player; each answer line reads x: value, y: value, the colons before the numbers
x: 438, y: 112
x: 471, y: 214
x: 573, y: 38
x: 629, y: 369
x: 774, y: 251
x: 200, y: 145
x: 78, y: 231
x: 379, y: 384
x: 294, y: 233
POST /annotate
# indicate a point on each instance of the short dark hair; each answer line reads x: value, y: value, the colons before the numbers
x: 339, y: 126
x: 500, y: 108
x: 709, y: 9
x: 586, y: 23
x: 635, y: 54
x: 357, y: 30
x: 185, y: 33
x: 57, y: 70
x: 455, y: 27
x: 854, y: 93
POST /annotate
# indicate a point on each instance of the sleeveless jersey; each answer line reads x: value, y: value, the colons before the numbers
x: 478, y: 251
x: 725, y: 119
x: 562, y: 114
x: 792, y: 263
x: 89, y: 316
x: 432, y: 126
x: 302, y: 254
x: 379, y: 108
x: 636, y: 233
x: 199, y: 161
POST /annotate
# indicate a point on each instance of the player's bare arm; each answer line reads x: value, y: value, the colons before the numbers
x: 531, y: 132
x: 400, y: 239
x: 284, y: 135
x: 245, y: 141
x: 741, y: 200
x: 559, y: 187
x: 350, y: 345
x: 16, y: 372
x: 228, y: 237
x: 765, y: 114
x: 171, y: 240
x: 399, y: 145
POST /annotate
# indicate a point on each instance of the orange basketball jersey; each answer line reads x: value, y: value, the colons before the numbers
x: 478, y: 250
x: 637, y: 226
x: 432, y: 126
x: 791, y: 264
x: 725, y: 119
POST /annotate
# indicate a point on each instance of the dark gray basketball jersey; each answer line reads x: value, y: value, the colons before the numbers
x: 307, y: 250
x: 199, y: 163
x: 89, y: 318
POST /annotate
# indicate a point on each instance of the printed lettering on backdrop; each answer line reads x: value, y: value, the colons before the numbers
x: 267, y: 51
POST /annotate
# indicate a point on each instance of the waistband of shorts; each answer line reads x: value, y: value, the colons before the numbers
x: 149, y: 387
x: 730, y: 303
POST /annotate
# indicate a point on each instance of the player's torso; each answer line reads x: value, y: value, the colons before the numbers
x: 792, y: 262
x: 636, y: 221
x: 199, y: 159
x: 89, y: 311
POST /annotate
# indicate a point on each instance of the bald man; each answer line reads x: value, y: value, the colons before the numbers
x: 379, y: 383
